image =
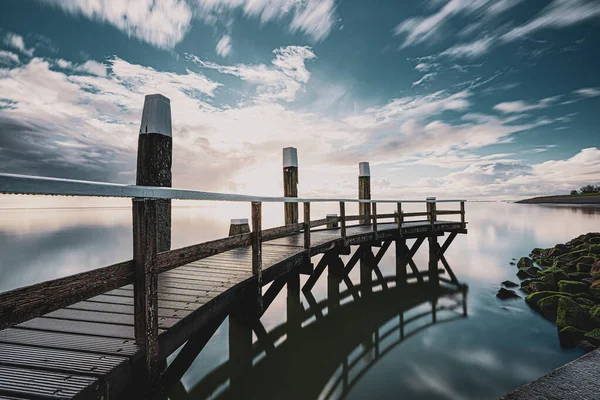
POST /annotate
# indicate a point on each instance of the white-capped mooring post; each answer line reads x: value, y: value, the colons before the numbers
x: 290, y: 183
x: 155, y: 158
x: 364, y: 209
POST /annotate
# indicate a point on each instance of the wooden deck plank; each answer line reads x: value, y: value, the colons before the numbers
x: 125, y: 309
x: 36, y: 383
x: 79, y: 327
x: 58, y: 360
x: 58, y: 340
x: 112, y: 318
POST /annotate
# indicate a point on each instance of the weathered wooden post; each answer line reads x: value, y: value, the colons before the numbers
x: 239, y: 227
x: 364, y: 191
x: 256, y: 212
x: 155, y: 157
x: 145, y: 287
x: 433, y: 243
x: 332, y: 218
x: 364, y: 209
x: 290, y: 183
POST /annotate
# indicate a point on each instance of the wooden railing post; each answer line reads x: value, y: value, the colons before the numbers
x: 307, y: 225
x: 364, y: 191
x: 374, y: 205
x: 431, y: 213
x: 343, y: 221
x: 333, y: 221
x: 256, y: 213
x: 290, y: 184
x: 462, y: 213
x: 145, y: 286
x: 400, y: 217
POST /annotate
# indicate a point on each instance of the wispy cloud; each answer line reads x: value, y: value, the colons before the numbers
x: 470, y: 50
x: 8, y: 57
x: 281, y: 81
x: 588, y: 92
x: 521, y: 106
x: 558, y: 14
x: 17, y: 42
x: 90, y: 66
x: 224, y: 46
x: 425, y: 78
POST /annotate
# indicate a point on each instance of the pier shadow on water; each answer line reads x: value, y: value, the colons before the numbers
x: 324, y: 348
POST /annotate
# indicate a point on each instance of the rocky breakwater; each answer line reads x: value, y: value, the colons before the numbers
x: 563, y: 284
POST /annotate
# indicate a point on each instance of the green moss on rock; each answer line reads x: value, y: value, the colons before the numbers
x: 593, y: 336
x: 548, y: 306
x: 572, y: 287
x: 570, y: 336
x: 569, y: 313
x: 533, y: 298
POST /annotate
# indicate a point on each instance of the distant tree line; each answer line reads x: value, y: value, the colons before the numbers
x: 587, y: 189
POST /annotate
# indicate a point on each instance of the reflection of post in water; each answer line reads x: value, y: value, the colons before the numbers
x: 240, y: 350
x: 293, y: 305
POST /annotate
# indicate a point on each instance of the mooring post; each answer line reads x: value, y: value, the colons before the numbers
x: 155, y: 157
x: 333, y: 221
x: 401, y: 260
x: 290, y: 184
x: 364, y: 209
x: 364, y: 191
x: 433, y: 243
x: 239, y: 226
x: 256, y: 213
x: 240, y: 353
x: 145, y: 287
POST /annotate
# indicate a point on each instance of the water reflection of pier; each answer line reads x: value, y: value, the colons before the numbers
x: 331, y: 344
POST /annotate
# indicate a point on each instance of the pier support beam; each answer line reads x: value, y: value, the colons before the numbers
x: 155, y: 157
x: 290, y: 183
x: 240, y: 352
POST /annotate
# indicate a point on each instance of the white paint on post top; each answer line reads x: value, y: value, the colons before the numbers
x: 290, y: 157
x: 156, y: 117
x: 364, y: 169
x: 240, y: 221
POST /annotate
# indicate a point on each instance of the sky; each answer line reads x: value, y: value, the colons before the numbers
x: 477, y: 99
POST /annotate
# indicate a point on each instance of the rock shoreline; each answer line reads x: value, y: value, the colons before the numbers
x: 562, y: 283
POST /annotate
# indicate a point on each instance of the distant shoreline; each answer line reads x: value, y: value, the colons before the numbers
x: 566, y: 199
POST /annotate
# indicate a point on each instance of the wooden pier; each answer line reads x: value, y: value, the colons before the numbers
x: 107, y: 333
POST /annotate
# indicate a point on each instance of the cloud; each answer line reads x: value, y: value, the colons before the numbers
x: 469, y: 50
x: 425, y: 67
x: 162, y: 23
x: 428, y: 29
x: 8, y: 57
x: 16, y: 42
x: 314, y: 18
x: 521, y: 106
x: 425, y: 78
x: 588, y: 92
x: 514, y: 179
x: 224, y: 46
x: 90, y: 66
x: 558, y: 14
x: 281, y: 81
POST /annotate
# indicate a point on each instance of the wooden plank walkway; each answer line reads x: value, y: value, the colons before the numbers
x: 88, y: 349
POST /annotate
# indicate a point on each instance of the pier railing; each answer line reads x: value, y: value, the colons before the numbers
x: 22, y: 304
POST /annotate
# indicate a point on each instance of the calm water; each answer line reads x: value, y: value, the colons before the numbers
x: 497, y: 347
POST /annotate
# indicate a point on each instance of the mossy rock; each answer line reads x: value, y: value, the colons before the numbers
x: 572, y: 287
x: 595, y: 292
x: 595, y: 249
x: 594, y: 240
x: 583, y: 260
x: 505, y: 294
x: 582, y: 267
x: 523, y: 273
x: 570, y: 336
x: 548, y: 306
x: 537, y: 251
x: 537, y: 286
x: 593, y: 336
x: 510, y: 284
x: 578, y: 276
x: 595, y: 311
x: 595, y: 271
x: 585, y: 302
x: 533, y: 298
x: 525, y: 262
x: 569, y: 313
x: 568, y: 257
x: 551, y: 270
x: 595, y: 284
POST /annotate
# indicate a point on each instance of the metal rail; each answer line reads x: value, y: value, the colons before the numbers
x: 39, y: 185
